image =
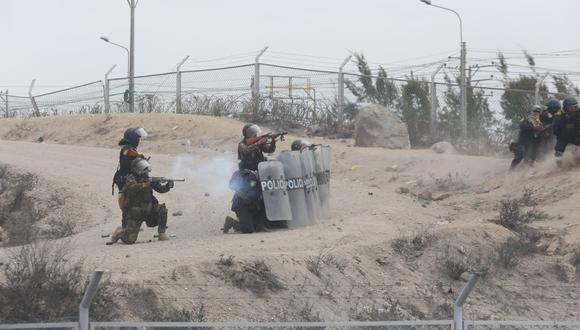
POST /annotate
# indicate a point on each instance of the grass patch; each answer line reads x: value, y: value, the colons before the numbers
x: 256, y: 277
x: 41, y: 284
x: 412, y: 246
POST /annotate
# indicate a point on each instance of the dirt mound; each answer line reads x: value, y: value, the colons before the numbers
x: 406, y: 227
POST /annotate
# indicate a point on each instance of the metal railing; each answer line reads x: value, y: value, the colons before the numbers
x: 521, y: 324
x: 22, y: 326
x: 419, y: 324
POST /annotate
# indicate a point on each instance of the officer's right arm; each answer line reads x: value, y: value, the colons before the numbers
x: 132, y: 184
x: 246, y: 149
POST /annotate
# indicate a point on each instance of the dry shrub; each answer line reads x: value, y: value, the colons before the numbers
x: 511, y: 252
x: 513, y: 217
x: 151, y: 308
x: 42, y: 285
x: 454, y: 262
x: 412, y: 246
x: 256, y: 277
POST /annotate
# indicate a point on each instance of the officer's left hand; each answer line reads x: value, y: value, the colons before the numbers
x: 170, y: 184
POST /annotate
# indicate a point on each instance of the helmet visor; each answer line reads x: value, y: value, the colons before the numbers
x: 140, y: 131
x: 253, y: 131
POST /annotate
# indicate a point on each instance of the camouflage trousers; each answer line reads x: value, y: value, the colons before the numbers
x: 153, y: 216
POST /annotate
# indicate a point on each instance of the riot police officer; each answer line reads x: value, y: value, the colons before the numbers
x: 299, y: 145
x: 566, y: 127
x: 141, y: 205
x: 253, y: 146
x: 529, y: 138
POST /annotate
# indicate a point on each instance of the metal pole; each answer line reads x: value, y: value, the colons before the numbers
x: 178, y: 85
x: 32, y: 100
x: 434, y: 100
x: 341, y: 90
x: 6, y: 104
x: 257, y: 71
x: 462, y: 84
x: 256, y: 91
x: 85, y: 304
x: 132, y: 4
x: 106, y: 89
x: 463, y: 94
x: 458, y: 306
x: 537, y: 91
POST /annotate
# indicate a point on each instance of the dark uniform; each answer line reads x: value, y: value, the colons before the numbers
x: 566, y: 126
x: 250, y: 155
x: 529, y: 139
x: 252, y: 148
x: 547, y: 120
x: 128, y: 153
x: 141, y: 205
x: 247, y: 203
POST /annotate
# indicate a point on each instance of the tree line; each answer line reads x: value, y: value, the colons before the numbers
x: 411, y: 101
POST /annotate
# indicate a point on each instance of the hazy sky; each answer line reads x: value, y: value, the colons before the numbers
x: 57, y: 42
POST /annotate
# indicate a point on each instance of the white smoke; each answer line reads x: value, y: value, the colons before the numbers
x: 211, y: 175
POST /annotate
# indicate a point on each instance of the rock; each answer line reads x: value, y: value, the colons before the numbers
x: 40, y: 139
x: 177, y: 213
x: 444, y: 147
x: 465, y: 276
x: 376, y: 126
x: 425, y: 195
x: 440, y: 197
x: 403, y: 190
x: 206, y: 194
x: 392, y: 168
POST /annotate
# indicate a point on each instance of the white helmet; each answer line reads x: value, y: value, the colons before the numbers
x: 140, y: 166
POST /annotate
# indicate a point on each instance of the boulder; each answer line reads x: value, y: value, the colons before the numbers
x: 443, y: 147
x: 376, y: 126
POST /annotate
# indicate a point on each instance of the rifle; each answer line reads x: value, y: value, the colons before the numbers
x: 271, y: 136
x: 164, y: 179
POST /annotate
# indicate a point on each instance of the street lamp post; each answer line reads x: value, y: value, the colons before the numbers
x: 105, y: 39
x: 462, y: 80
x: 132, y: 4
x: 130, y: 54
x: 129, y: 72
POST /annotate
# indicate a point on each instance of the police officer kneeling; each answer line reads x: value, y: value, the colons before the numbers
x: 566, y: 127
x: 247, y: 203
x: 140, y: 204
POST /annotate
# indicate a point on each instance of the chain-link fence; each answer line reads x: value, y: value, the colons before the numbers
x: 325, y: 101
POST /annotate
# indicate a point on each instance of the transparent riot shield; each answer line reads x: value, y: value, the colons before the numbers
x: 273, y: 184
x: 322, y: 180
x: 295, y: 186
x: 310, y: 185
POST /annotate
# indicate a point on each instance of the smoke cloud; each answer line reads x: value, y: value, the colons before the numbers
x: 211, y: 174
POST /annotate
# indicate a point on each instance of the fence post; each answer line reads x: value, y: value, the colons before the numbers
x: 458, y: 306
x: 4, y: 97
x: 32, y: 100
x: 256, y: 85
x: 537, y: 90
x: 341, y: 90
x: 434, y: 101
x: 90, y: 292
x: 178, y: 85
x: 106, y: 89
x: 7, y: 105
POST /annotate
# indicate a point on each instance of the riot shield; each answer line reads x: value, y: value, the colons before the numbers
x: 322, y: 180
x: 310, y: 185
x: 273, y: 184
x: 295, y: 186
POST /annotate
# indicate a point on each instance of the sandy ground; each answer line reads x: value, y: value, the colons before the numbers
x: 370, y: 207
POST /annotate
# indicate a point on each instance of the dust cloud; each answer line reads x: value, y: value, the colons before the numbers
x: 212, y: 175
